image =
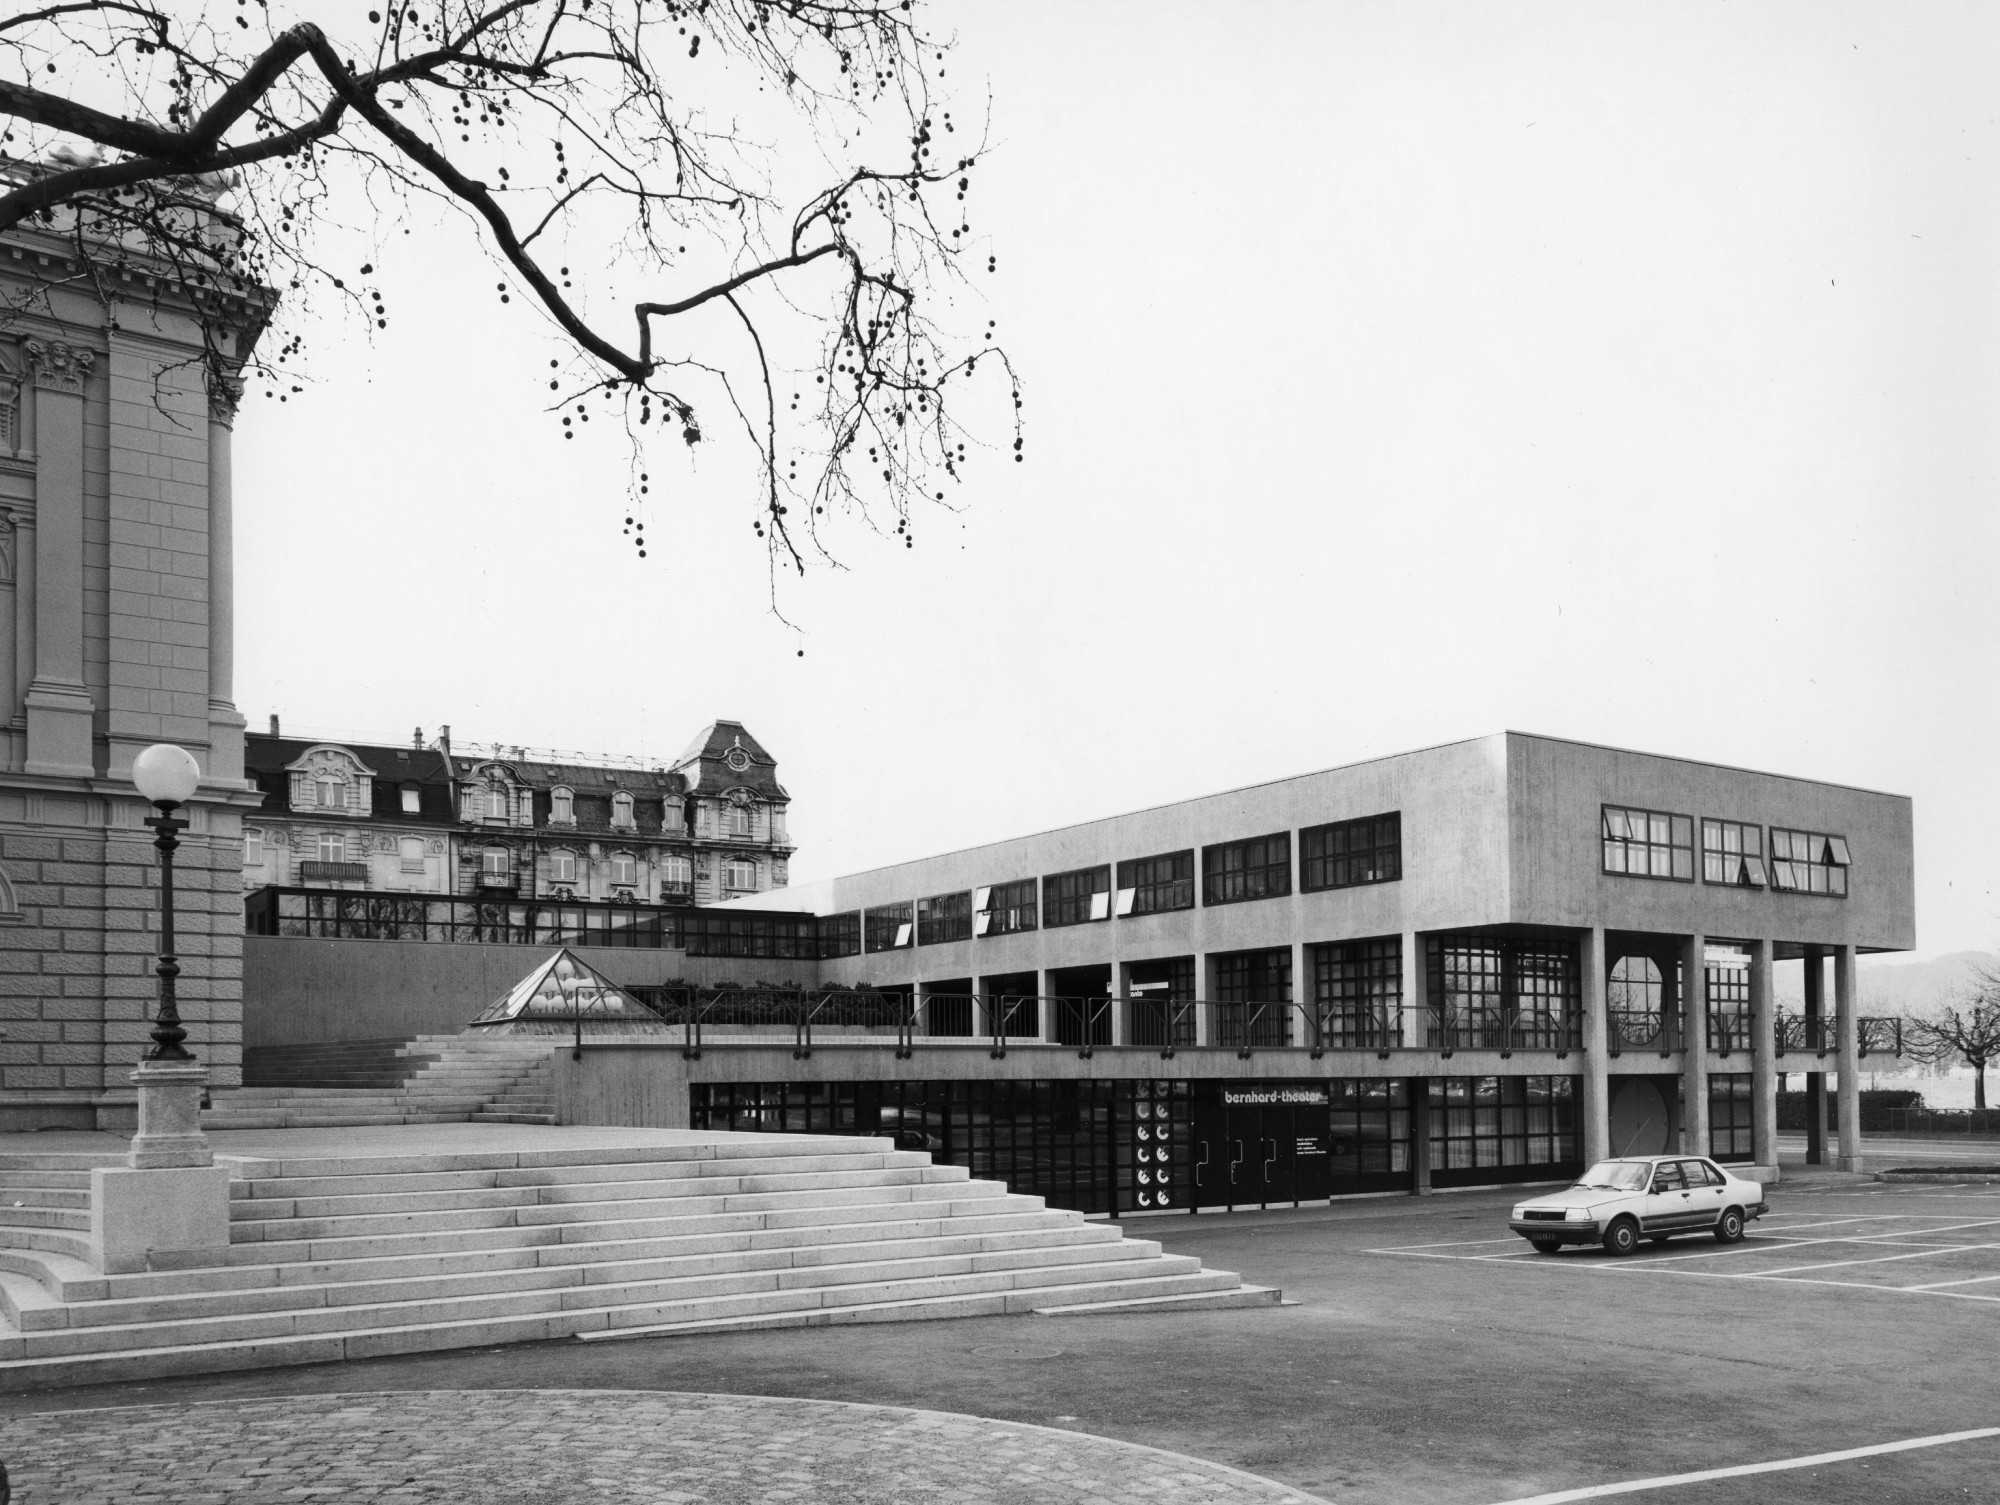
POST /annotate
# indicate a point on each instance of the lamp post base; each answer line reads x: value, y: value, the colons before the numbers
x: 169, y: 1116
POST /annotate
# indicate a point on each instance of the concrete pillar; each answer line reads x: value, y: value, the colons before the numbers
x: 1846, y: 1001
x: 1415, y: 991
x: 1596, y: 1055
x: 1420, y: 1136
x: 1694, y: 1058
x: 1815, y: 1011
x: 1121, y: 1024
x: 225, y: 723
x: 1204, y: 989
x: 58, y: 706
x: 1303, y: 1000
x: 1764, y: 1065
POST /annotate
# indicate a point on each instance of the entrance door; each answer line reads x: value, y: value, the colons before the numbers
x: 1216, y: 1158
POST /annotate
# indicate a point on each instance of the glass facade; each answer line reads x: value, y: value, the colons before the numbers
x: 1253, y: 991
x: 1358, y: 990
x: 1808, y: 862
x: 887, y: 927
x: 1732, y: 854
x: 1729, y: 1123
x: 1499, y: 992
x: 1005, y: 908
x: 944, y: 917
x: 1488, y: 1128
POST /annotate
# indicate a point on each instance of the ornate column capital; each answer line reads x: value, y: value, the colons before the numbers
x: 224, y: 393
x: 59, y: 366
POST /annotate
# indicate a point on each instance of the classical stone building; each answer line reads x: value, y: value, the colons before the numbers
x: 428, y: 819
x: 117, y: 393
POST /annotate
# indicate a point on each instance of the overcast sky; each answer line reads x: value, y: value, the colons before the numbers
x: 1394, y: 374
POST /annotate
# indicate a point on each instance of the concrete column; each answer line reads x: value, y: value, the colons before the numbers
x: 58, y: 705
x: 1415, y: 995
x: 1420, y: 1136
x: 1302, y: 995
x: 225, y: 723
x: 1763, y: 1057
x: 1694, y: 1059
x: 1596, y: 1054
x: 1204, y: 988
x: 1815, y: 1011
x: 1121, y: 1025
x: 1845, y: 1004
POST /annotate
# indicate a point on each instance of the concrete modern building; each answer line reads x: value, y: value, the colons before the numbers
x: 1482, y: 962
x: 509, y: 824
x: 118, y: 389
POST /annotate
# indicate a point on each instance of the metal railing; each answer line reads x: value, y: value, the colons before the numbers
x: 1873, y: 1034
x: 1967, y: 1123
x: 1506, y: 1030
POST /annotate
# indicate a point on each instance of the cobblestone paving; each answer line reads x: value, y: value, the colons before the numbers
x: 569, y: 1447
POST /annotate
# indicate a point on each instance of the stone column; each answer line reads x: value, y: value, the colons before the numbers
x: 1764, y: 1063
x: 1596, y: 1052
x: 1815, y: 1012
x: 1694, y: 1058
x: 1303, y: 1001
x: 57, y: 704
x: 1847, y: 1032
x: 1204, y: 989
x: 225, y: 723
x: 1420, y: 1136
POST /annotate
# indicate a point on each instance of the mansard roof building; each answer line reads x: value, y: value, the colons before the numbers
x: 507, y: 822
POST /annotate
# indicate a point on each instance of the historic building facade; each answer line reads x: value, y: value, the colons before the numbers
x: 507, y: 824
x: 118, y: 390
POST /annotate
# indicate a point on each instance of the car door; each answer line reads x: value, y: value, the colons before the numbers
x: 1666, y: 1200
x: 1708, y: 1193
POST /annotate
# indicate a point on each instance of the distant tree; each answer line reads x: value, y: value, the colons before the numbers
x: 782, y: 179
x: 1966, y: 1029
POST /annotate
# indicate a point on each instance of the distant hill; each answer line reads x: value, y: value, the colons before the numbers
x: 1892, y: 987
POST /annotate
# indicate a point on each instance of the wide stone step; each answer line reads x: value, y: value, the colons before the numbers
x: 46, y: 1196
x: 13, y: 1216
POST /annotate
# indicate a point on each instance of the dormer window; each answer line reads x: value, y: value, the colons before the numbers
x: 562, y: 806
x: 332, y: 794
x: 326, y: 779
x: 621, y: 812
x: 496, y: 801
x: 412, y: 800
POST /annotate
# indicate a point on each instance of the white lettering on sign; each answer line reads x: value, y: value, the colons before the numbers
x: 1310, y: 1147
x: 1258, y: 1096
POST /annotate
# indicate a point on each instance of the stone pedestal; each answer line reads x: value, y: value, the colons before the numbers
x: 169, y: 1116
x: 158, y: 1219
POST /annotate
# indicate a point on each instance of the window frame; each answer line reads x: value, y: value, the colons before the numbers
x: 1751, y: 864
x: 944, y: 918
x: 1786, y: 874
x: 405, y: 862
x: 1011, y: 908
x: 1129, y: 889
x: 736, y: 867
x: 505, y: 866
x: 1627, y: 842
x: 338, y: 839
x: 562, y: 806
x: 624, y: 816
x: 562, y: 865
x: 1328, y: 860
x: 1065, y: 902
x: 895, y: 921
x: 624, y: 863
x: 253, y: 848
x: 1212, y: 871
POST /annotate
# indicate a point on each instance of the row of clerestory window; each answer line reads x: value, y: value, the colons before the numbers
x: 1341, y: 854
x: 1660, y: 844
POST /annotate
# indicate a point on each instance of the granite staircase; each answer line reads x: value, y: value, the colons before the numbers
x: 344, y: 1257
x: 429, y: 1079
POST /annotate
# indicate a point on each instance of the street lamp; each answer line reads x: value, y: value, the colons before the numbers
x: 167, y: 776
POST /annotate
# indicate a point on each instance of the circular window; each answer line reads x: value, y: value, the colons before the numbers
x: 738, y: 759
x: 1633, y: 1000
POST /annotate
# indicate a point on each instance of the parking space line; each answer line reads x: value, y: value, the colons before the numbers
x: 1939, y: 1285
x: 1879, y: 1259
x: 1742, y: 1470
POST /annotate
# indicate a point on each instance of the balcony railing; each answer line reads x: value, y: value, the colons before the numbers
x: 334, y: 872
x: 1503, y: 1029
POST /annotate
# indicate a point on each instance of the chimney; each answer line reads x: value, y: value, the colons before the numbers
x: 417, y: 740
x: 274, y: 726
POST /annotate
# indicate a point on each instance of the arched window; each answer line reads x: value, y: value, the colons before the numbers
x: 676, y: 874
x: 496, y: 801
x: 621, y: 811
x: 562, y: 866
x: 496, y: 862
x: 1633, y: 1000
x: 739, y: 877
x: 739, y: 820
x: 624, y: 870
x: 562, y: 806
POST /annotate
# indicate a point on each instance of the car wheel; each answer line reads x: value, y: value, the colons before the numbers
x: 1622, y: 1237
x: 1729, y: 1227
x: 1545, y: 1245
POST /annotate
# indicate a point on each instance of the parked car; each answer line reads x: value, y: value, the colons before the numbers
x: 1618, y: 1202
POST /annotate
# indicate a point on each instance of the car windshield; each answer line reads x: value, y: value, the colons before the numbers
x: 1617, y: 1175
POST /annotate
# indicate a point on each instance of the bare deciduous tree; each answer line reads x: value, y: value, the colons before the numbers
x: 778, y: 185
x: 1967, y: 1029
